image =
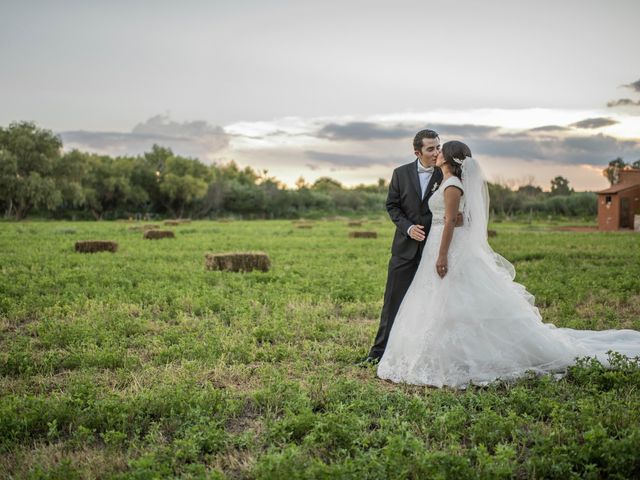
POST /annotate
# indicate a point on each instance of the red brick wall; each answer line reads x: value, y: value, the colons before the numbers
x: 632, y: 176
x: 609, y: 216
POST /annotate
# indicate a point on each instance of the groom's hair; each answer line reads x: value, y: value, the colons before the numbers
x: 417, y: 140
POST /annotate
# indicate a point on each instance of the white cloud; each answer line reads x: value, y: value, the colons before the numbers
x: 195, y: 138
x: 356, y: 149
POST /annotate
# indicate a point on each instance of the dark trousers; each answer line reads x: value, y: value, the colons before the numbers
x: 399, y: 277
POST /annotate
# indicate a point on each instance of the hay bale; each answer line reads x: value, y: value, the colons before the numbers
x: 363, y: 234
x: 304, y: 225
x: 237, y: 262
x: 92, y: 246
x: 354, y: 224
x: 136, y: 228
x: 150, y: 226
x: 172, y: 223
x: 157, y: 234
x: 492, y: 233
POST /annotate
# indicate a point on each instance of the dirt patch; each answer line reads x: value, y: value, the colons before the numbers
x: 91, y: 462
x: 235, y: 463
x: 626, y: 312
x: 249, y: 420
x: 235, y: 378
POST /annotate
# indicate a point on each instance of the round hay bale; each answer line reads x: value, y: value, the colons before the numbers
x: 172, y: 223
x: 304, y: 225
x: 492, y: 233
x: 354, y: 224
x: 136, y: 228
x: 150, y: 226
x: 237, y: 262
x: 92, y: 246
x: 363, y: 234
x: 157, y: 234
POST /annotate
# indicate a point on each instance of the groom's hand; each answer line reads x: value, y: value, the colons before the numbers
x: 417, y: 233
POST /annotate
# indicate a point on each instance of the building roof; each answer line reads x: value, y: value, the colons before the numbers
x: 619, y: 187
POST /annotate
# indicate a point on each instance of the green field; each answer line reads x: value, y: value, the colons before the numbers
x: 141, y: 364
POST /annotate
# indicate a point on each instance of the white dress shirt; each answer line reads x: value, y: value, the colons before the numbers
x: 424, y: 177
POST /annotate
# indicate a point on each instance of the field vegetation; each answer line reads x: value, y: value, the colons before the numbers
x: 143, y: 364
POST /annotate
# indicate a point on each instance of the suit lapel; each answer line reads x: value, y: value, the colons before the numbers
x: 435, y: 178
x: 415, y: 179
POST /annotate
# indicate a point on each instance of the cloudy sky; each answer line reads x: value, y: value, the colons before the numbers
x: 338, y: 87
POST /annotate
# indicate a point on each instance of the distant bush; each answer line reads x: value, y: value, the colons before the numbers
x: 79, y: 185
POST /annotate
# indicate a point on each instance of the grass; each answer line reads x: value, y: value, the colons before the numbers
x: 141, y: 364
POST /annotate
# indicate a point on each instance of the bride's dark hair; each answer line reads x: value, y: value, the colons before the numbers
x: 455, y: 149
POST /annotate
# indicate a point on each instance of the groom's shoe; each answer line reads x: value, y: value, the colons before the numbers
x: 368, y: 361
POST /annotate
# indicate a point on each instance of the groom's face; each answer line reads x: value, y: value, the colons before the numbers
x: 429, y: 152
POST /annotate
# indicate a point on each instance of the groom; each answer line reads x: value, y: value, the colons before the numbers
x: 409, y: 191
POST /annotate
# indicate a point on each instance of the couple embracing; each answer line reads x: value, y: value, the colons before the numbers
x: 452, y: 314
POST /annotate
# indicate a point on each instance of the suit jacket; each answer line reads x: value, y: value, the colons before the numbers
x: 406, y: 207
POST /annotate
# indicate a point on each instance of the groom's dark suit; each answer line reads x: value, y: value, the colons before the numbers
x: 406, y: 207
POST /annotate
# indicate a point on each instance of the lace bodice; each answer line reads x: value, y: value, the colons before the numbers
x: 436, y: 202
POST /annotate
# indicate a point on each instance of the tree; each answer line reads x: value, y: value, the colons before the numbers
x: 530, y: 190
x: 611, y: 172
x: 183, y: 182
x: 146, y: 174
x: 503, y: 200
x: 108, y: 186
x: 636, y: 164
x: 230, y: 171
x: 301, y: 183
x: 27, y: 158
x: 326, y: 184
x: 69, y: 172
x: 560, y: 186
x: 381, y: 187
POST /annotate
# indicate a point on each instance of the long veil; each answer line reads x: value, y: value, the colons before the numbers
x: 475, y: 324
x: 476, y: 215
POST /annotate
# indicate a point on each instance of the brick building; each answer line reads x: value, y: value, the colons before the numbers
x: 618, y: 204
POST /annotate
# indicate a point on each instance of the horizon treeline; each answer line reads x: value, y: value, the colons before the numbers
x: 38, y: 178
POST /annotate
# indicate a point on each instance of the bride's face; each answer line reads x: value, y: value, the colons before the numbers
x: 440, y: 159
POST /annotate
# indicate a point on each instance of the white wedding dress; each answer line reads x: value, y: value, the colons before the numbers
x: 476, y: 324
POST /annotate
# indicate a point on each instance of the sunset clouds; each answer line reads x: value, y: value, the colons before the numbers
x: 333, y: 88
x: 363, y: 149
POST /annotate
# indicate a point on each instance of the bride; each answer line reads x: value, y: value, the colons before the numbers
x: 464, y: 320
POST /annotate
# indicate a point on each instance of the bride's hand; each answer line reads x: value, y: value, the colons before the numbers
x: 442, y: 266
